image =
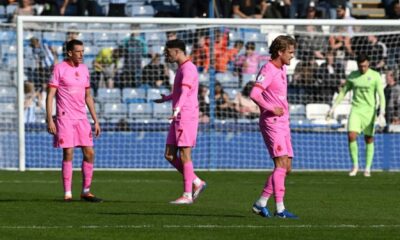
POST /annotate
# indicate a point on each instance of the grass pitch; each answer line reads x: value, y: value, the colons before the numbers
x: 330, y: 205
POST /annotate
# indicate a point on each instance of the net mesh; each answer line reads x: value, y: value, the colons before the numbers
x: 128, y: 71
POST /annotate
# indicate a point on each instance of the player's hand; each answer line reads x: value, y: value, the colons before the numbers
x: 329, y: 114
x: 381, y: 121
x: 51, y: 127
x: 97, y: 129
x: 175, y: 113
x: 278, y: 111
x: 160, y: 100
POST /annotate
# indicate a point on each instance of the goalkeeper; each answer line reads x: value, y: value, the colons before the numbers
x: 365, y: 83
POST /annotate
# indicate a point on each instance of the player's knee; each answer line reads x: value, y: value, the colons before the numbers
x: 89, y: 155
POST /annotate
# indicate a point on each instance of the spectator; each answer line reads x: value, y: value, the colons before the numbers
x: 394, y: 12
x: 25, y: 8
x: 329, y: 76
x: 249, y: 62
x: 105, y: 68
x: 331, y: 7
x: 304, y: 81
x: 133, y: 50
x: 392, y: 96
x: 155, y: 74
x: 89, y: 5
x: 378, y: 52
x: 30, y: 102
x: 243, y: 103
x: 249, y: 8
x: 223, y: 8
x: 298, y: 8
x: 201, y: 55
x: 224, y: 108
x: 52, y: 8
x: 117, y: 8
x: 310, y: 45
x: 44, y: 58
x: 204, y: 104
x: 193, y: 8
x: 341, y: 44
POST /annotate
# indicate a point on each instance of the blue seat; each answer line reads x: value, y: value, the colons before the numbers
x: 155, y: 93
x: 8, y: 94
x: 107, y: 95
x: 140, y: 110
x: 133, y: 95
x: 162, y: 110
x: 115, y: 111
x: 142, y: 11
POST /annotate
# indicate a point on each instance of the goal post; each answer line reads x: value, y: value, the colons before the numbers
x: 135, y: 128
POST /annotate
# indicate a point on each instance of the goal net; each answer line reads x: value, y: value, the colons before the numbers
x: 128, y: 71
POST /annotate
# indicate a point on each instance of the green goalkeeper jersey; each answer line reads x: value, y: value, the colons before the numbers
x: 365, y: 87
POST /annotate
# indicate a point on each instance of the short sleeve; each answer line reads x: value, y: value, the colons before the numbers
x: 189, y: 74
x: 55, y: 77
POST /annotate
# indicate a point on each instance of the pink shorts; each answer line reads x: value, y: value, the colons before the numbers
x: 73, y: 133
x: 277, y: 137
x: 182, y: 133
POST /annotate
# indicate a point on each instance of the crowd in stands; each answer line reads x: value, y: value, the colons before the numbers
x: 185, y: 8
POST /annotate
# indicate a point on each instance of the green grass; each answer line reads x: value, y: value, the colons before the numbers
x: 330, y: 205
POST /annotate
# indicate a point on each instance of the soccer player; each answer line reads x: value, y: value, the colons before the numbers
x: 270, y: 94
x: 70, y: 84
x: 185, y: 118
x: 365, y: 83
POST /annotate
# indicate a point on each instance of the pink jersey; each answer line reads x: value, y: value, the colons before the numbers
x: 71, y: 83
x: 273, y: 83
x: 250, y: 63
x: 185, y: 91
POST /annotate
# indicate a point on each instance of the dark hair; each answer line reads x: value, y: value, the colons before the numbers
x: 362, y: 57
x: 176, y: 43
x: 280, y: 43
x: 247, y: 89
x: 71, y: 44
x: 238, y: 42
x: 250, y: 45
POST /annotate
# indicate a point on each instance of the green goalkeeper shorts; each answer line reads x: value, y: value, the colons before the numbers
x: 362, y: 123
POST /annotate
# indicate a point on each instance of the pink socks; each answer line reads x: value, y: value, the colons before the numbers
x: 67, y: 176
x: 188, y: 176
x: 87, y: 174
x: 268, y: 187
x: 278, y: 179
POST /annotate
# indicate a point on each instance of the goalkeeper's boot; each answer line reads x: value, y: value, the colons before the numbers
x: 367, y: 173
x: 89, y: 197
x: 182, y: 200
x: 353, y: 172
x: 286, y: 214
x: 262, y: 211
x: 198, y: 189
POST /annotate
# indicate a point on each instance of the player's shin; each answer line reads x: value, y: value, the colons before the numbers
x: 67, y: 177
x: 87, y: 175
x: 278, y: 179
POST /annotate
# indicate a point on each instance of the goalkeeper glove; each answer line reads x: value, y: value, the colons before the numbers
x: 175, y: 112
x: 381, y: 121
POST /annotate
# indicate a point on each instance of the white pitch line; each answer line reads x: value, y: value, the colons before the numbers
x: 306, y: 226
